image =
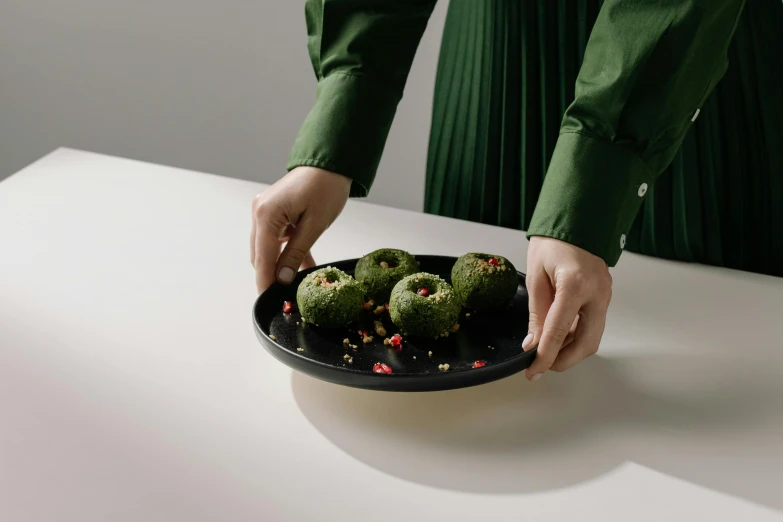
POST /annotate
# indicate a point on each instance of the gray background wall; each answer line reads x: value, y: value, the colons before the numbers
x: 217, y: 86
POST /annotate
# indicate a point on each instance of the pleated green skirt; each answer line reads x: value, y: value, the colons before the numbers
x: 506, y: 75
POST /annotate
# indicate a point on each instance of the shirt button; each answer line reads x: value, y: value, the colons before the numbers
x: 622, y: 241
x: 695, y: 115
x: 642, y: 190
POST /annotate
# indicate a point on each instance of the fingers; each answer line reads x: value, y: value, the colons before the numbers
x: 569, y: 292
x: 266, y: 237
x: 267, y: 250
x: 297, y: 251
x: 279, y: 215
x: 556, y: 328
x: 287, y: 232
x: 253, y: 207
x: 253, y: 243
x: 267, y: 246
x: 586, y: 339
x: 571, y: 333
x: 308, y: 262
x: 540, y: 297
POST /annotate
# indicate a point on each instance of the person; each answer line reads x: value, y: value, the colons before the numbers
x: 519, y: 139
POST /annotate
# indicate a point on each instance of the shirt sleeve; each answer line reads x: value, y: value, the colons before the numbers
x: 361, y: 51
x: 648, y: 67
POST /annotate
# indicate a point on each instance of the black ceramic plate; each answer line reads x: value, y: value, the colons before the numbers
x: 495, y: 340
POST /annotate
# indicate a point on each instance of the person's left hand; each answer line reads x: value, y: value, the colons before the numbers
x: 569, y: 290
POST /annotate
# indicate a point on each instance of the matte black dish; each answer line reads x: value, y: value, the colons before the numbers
x: 495, y: 340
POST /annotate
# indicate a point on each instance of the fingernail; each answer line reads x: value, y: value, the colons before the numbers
x: 536, y: 377
x: 526, y: 342
x: 285, y: 275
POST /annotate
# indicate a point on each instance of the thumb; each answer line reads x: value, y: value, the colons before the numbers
x: 297, y: 250
x: 541, y: 295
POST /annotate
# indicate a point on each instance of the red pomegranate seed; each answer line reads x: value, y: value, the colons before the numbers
x: 493, y: 261
x: 287, y: 307
x: 479, y: 364
x: 386, y: 306
x: 381, y: 368
x: 424, y: 292
x: 327, y: 282
x: 396, y: 340
x: 367, y: 305
x: 364, y: 333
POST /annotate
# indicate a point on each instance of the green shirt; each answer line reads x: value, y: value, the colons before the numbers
x: 648, y: 67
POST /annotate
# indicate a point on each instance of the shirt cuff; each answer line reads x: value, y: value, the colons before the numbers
x: 346, y: 129
x: 591, y: 195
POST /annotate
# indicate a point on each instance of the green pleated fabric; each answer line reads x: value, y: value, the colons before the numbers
x: 506, y: 74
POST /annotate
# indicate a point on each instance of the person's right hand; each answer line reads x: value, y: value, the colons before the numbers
x: 297, y: 209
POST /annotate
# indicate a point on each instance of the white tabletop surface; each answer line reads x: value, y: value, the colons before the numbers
x: 132, y: 387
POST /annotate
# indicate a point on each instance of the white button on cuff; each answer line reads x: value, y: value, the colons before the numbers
x: 622, y: 241
x: 642, y: 190
x: 695, y: 115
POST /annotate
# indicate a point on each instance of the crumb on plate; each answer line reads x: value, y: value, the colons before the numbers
x: 379, y: 328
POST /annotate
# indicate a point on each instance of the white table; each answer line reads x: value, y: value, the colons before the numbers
x: 132, y: 387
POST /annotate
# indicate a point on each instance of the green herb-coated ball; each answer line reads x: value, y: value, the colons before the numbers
x: 424, y: 305
x: 379, y: 271
x: 330, y: 298
x: 484, y: 282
